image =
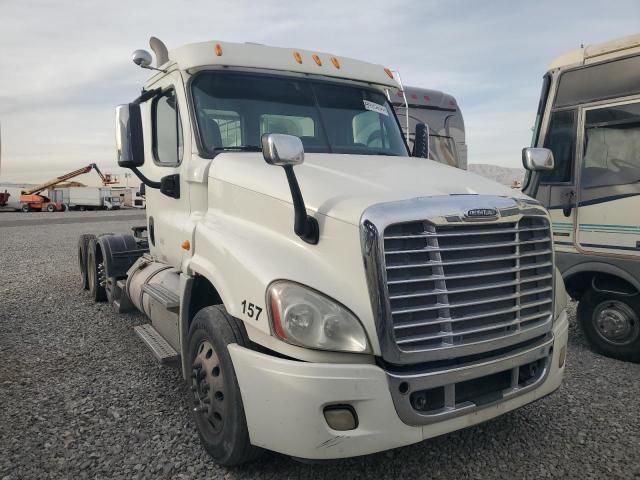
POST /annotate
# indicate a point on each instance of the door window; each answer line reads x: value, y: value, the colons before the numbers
x: 611, y: 146
x: 167, y: 130
x: 561, y: 140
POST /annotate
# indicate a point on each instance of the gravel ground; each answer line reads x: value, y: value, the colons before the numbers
x: 80, y: 397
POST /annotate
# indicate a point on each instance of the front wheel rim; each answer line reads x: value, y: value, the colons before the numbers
x: 616, y: 323
x: 207, y: 385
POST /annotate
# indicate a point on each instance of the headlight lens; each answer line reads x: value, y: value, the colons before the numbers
x: 304, y: 317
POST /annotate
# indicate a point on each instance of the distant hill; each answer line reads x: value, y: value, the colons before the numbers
x: 504, y: 175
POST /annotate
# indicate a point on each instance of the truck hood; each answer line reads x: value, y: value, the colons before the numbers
x: 343, y: 186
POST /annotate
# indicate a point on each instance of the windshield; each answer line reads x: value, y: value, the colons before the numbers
x: 235, y: 109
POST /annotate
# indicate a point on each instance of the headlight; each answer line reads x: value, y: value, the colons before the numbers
x: 304, y: 317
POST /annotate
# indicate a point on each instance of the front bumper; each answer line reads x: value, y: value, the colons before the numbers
x: 284, y: 402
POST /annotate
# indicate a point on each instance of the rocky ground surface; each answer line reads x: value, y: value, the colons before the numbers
x: 80, y: 397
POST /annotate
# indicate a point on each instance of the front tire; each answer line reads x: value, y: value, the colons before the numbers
x: 611, y: 323
x: 215, y: 394
x: 51, y: 208
x: 25, y: 207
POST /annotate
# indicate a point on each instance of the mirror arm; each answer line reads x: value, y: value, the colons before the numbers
x: 305, y: 226
x: 533, y: 184
x: 145, y: 180
x: 146, y: 95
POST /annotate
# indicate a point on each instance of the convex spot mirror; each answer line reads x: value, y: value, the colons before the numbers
x: 129, y: 140
x: 142, y: 58
x: 282, y: 150
x: 537, y: 159
x: 421, y: 142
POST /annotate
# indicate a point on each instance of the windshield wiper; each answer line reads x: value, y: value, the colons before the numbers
x: 239, y: 148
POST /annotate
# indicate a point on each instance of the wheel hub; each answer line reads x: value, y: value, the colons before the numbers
x: 616, y: 322
x: 207, y: 384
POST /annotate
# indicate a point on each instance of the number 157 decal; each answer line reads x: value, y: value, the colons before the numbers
x: 251, y: 310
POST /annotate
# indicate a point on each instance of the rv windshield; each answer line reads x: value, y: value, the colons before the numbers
x: 234, y: 110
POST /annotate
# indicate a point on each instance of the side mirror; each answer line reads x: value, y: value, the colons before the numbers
x: 537, y: 159
x: 282, y: 150
x: 129, y: 139
x: 286, y: 151
x: 421, y: 142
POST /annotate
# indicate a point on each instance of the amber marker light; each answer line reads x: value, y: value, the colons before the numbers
x: 298, y: 57
x: 218, y: 50
x: 186, y: 245
x: 335, y: 62
x: 316, y: 59
x: 389, y: 73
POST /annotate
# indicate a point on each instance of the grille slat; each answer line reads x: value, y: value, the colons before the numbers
x: 483, y: 273
x: 472, y: 282
x: 457, y: 234
x: 472, y: 260
x: 489, y: 286
x: 467, y: 247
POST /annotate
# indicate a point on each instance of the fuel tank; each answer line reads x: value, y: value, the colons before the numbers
x: 154, y: 289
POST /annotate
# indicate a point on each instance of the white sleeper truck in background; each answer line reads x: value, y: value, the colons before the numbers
x: 325, y: 293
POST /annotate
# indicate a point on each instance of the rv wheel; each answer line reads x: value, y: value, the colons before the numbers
x: 611, y: 323
x: 215, y: 394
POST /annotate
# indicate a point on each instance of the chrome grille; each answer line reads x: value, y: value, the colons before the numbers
x: 461, y: 284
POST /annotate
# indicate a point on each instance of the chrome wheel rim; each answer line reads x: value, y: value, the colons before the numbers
x: 616, y: 322
x: 207, y: 385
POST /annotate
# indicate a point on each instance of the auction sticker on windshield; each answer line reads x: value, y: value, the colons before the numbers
x: 374, y: 107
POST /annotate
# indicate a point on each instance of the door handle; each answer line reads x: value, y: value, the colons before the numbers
x: 567, y: 206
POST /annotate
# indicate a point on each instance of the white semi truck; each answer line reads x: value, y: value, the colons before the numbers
x: 589, y: 116
x: 324, y: 293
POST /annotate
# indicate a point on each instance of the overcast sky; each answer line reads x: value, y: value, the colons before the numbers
x: 64, y: 65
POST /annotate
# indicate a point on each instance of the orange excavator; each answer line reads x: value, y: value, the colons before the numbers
x: 33, y: 200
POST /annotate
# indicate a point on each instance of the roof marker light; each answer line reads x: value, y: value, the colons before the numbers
x: 427, y: 98
x: 389, y: 73
x: 298, y: 57
x: 335, y: 62
x: 218, y: 50
x: 316, y: 59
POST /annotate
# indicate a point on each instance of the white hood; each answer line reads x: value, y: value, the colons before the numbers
x: 343, y: 186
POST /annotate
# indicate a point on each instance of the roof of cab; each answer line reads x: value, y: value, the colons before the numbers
x: 253, y: 55
x: 598, y: 52
x: 424, y: 97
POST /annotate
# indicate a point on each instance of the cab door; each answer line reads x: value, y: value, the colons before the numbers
x: 558, y: 187
x: 167, y: 141
x: 608, y: 213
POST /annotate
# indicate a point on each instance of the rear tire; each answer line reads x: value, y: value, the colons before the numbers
x: 94, y: 260
x: 83, y: 247
x: 51, y: 208
x: 611, y: 324
x: 215, y: 394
